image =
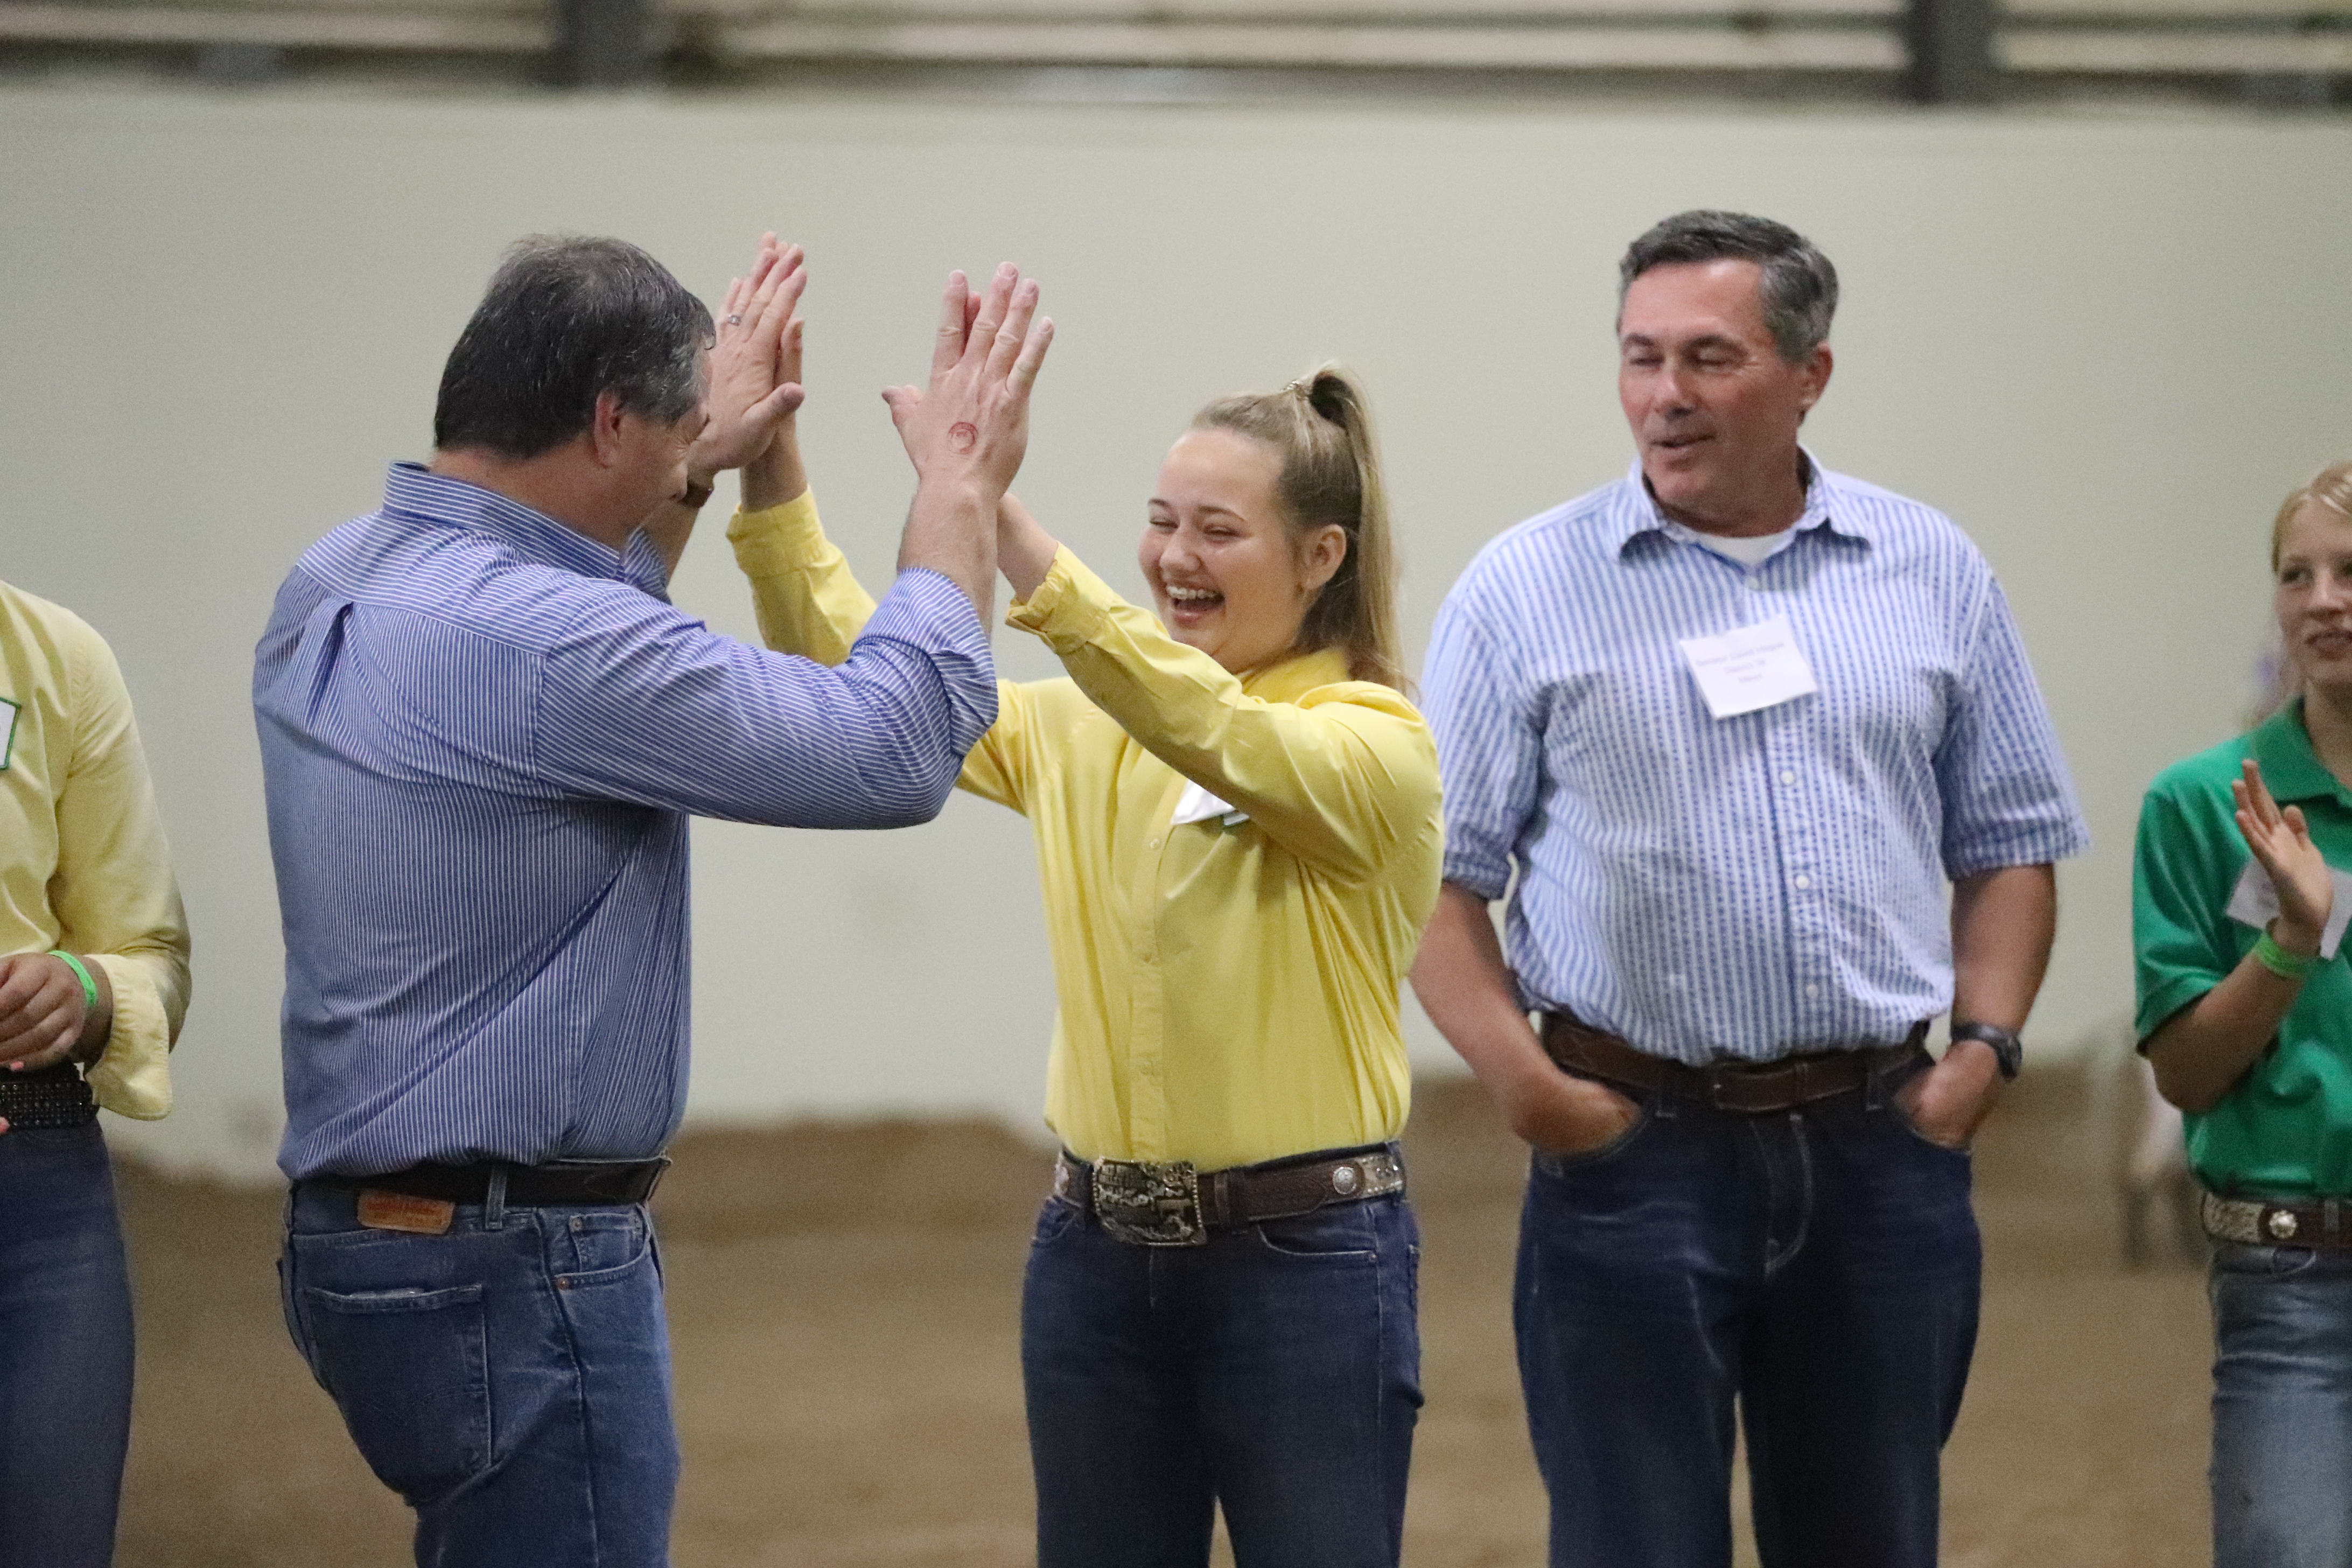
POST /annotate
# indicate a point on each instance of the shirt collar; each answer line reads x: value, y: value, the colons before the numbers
x: 414, y: 490
x: 1294, y: 677
x: 1638, y: 513
x: 2291, y: 769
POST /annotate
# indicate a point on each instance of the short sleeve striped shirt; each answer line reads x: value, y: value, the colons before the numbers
x: 1748, y: 886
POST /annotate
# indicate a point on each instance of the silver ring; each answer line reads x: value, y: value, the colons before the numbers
x: 734, y: 320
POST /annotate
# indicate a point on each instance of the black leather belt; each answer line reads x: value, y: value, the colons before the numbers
x: 528, y: 1186
x: 1171, y: 1203
x: 46, y: 1096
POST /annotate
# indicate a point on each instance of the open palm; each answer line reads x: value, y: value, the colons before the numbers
x: 2281, y: 842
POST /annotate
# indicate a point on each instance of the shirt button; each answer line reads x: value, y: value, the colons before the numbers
x: 1788, y: 778
x: 1155, y: 844
x: 1804, y: 881
x: 1813, y: 990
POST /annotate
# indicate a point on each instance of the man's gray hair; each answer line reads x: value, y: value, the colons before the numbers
x: 565, y: 320
x: 1798, y: 289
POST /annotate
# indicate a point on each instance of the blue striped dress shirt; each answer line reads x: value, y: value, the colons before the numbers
x: 482, y: 734
x: 1748, y: 887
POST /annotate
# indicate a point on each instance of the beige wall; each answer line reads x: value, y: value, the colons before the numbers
x: 2106, y: 346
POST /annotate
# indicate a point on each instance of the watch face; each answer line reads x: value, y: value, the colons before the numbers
x: 2006, y: 1047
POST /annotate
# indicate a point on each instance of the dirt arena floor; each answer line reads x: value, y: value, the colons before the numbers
x: 843, y: 1301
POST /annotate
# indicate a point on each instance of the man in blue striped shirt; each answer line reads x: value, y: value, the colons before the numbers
x: 1725, y: 732
x: 483, y: 730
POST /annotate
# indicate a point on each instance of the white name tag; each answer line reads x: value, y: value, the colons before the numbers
x: 2255, y: 902
x: 1197, y: 805
x: 1756, y: 667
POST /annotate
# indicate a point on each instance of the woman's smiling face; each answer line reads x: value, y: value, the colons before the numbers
x: 1226, y: 574
x: 2312, y: 594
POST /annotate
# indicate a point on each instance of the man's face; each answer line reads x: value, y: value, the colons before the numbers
x: 1713, y: 408
x: 654, y: 453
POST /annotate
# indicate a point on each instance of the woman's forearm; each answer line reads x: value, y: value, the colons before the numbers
x: 2201, y: 1051
x: 1025, y: 551
x: 776, y: 475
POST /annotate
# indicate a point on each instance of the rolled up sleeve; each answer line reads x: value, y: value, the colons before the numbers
x: 1490, y: 754
x: 2008, y: 800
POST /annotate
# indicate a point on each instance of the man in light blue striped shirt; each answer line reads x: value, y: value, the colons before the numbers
x: 483, y: 729
x: 1756, y: 753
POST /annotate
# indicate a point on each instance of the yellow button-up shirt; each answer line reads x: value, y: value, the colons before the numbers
x: 83, y: 864
x: 1227, y: 989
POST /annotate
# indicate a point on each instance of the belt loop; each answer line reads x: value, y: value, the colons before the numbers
x: 494, y: 1199
x: 2332, y: 1219
x: 1662, y: 1104
x: 1873, y: 1088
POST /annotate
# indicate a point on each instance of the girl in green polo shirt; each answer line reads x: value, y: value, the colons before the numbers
x: 2239, y: 899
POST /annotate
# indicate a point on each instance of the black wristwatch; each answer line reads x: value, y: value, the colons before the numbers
x: 2007, y: 1048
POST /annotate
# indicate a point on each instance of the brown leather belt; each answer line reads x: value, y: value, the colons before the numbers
x: 46, y: 1096
x: 1751, y: 1089
x: 557, y: 1183
x: 2258, y: 1222
x: 1170, y: 1204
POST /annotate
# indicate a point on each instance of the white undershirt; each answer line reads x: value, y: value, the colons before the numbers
x: 1753, y: 549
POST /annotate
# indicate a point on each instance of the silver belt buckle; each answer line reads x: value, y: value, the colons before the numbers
x: 1149, y: 1204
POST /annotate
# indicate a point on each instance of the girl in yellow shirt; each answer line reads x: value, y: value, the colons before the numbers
x: 93, y: 984
x: 1236, y: 817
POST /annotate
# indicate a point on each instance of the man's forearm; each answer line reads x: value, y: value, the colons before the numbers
x: 951, y: 530
x: 2003, y: 923
x: 1465, y: 987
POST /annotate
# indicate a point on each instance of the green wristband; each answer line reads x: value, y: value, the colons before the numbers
x: 2280, y: 961
x: 89, y: 985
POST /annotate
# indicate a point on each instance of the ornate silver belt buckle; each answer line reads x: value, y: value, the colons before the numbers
x: 1149, y: 1204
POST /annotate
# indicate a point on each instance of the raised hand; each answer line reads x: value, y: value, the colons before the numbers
x: 973, y: 419
x: 2282, y: 846
x: 755, y: 369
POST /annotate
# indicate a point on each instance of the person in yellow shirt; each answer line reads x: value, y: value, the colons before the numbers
x: 1236, y: 817
x: 93, y: 983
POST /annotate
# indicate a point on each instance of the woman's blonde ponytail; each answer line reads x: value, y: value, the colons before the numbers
x: 1322, y: 426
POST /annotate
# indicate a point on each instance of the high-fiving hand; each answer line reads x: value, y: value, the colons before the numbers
x: 755, y: 364
x: 973, y: 420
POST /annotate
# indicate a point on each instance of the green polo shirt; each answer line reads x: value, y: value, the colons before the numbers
x: 2285, y: 1128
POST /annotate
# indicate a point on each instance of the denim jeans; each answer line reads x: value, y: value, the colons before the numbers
x: 65, y: 1349
x: 1819, y: 1267
x: 510, y: 1379
x: 1275, y: 1372
x: 2281, y: 1407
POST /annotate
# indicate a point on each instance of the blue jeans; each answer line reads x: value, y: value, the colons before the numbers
x: 1274, y: 1371
x: 65, y: 1349
x: 2281, y: 1407
x: 1820, y: 1267
x: 509, y: 1379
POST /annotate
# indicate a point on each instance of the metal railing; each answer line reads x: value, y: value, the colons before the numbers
x: 1936, y: 50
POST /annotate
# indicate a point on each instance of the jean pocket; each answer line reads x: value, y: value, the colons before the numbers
x: 1559, y: 1164
x: 1902, y: 1119
x: 2260, y: 1260
x: 1342, y: 1234
x: 634, y: 1248
x: 1054, y: 1221
x: 598, y: 1241
x: 409, y: 1370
